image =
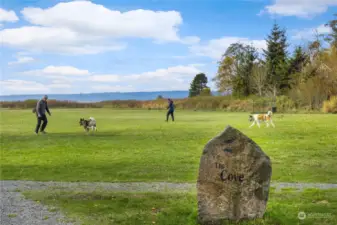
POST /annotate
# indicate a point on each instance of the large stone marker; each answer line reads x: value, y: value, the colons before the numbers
x: 234, y: 179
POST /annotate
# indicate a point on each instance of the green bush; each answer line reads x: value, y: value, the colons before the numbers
x: 284, y: 104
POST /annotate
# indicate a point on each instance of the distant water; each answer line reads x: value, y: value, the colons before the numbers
x: 97, y: 97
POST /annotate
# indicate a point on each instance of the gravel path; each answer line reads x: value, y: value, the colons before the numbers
x: 16, y: 210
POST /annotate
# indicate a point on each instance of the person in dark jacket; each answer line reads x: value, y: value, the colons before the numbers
x: 40, y: 110
x: 170, y: 110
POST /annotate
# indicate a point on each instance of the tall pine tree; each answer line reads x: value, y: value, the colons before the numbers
x: 198, y: 84
x: 298, y: 61
x: 296, y: 64
x: 276, y: 60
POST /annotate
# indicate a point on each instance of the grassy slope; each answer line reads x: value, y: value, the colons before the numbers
x: 181, y: 209
x: 135, y: 145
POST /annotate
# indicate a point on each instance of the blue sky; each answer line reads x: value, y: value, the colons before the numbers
x: 137, y: 45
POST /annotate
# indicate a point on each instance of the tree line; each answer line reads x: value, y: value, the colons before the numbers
x: 307, y: 75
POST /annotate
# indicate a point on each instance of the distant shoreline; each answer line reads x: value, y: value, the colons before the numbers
x: 104, y: 96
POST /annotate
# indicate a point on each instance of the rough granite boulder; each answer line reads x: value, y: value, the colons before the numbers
x: 234, y: 179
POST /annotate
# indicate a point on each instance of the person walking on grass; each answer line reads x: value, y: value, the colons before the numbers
x: 170, y: 110
x: 40, y: 110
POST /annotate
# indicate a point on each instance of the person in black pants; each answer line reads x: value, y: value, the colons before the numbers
x: 41, y: 108
x: 170, y: 110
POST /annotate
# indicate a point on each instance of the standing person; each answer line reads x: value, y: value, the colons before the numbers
x: 41, y: 108
x: 170, y: 110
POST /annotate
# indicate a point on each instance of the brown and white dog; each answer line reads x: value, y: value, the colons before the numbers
x: 257, y: 118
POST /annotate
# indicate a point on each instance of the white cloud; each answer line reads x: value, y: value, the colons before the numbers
x: 66, y: 74
x: 216, y: 48
x: 190, y: 40
x: 58, y: 40
x: 8, y: 87
x: 60, y: 86
x: 172, y: 78
x: 57, y: 71
x: 310, y: 33
x: 105, y: 78
x: 8, y: 16
x: 64, y: 70
x: 87, y: 17
x: 15, y: 87
x: 22, y: 60
x: 63, y: 77
x: 22, y: 53
x: 83, y: 27
x: 197, y: 64
x: 299, y: 8
x: 113, y: 88
x: 171, y: 74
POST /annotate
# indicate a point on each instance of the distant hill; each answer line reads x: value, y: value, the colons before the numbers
x: 97, y: 97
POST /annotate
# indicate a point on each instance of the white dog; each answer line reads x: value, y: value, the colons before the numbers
x: 87, y: 124
x: 257, y: 118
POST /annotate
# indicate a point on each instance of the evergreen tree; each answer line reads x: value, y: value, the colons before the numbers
x: 198, y: 84
x: 296, y: 65
x: 298, y: 61
x: 276, y: 60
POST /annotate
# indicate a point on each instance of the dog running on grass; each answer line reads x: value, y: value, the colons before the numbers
x: 257, y: 118
x: 87, y: 124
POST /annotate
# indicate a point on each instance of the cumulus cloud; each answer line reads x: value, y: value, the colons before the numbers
x: 57, y: 40
x: 309, y: 33
x: 64, y: 70
x: 83, y: 27
x: 113, y: 88
x: 63, y: 77
x: 172, y: 78
x: 22, y: 60
x: 54, y: 71
x: 59, y: 86
x: 16, y: 87
x: 215, y: 48
x: 299, y: 8
x: 8, y: 87
x: 105, y: 78
x: 8, y: 16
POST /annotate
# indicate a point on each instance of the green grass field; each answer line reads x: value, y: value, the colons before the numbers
x: 138, y: 145
x: 107, y: 208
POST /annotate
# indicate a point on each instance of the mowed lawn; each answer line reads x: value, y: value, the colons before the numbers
x: 138, y: 145
x: 107, y: 208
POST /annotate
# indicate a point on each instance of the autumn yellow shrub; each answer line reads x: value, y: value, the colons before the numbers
x: 330, y: 106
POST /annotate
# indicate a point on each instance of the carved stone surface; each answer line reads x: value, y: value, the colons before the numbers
x: 234, y: 179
